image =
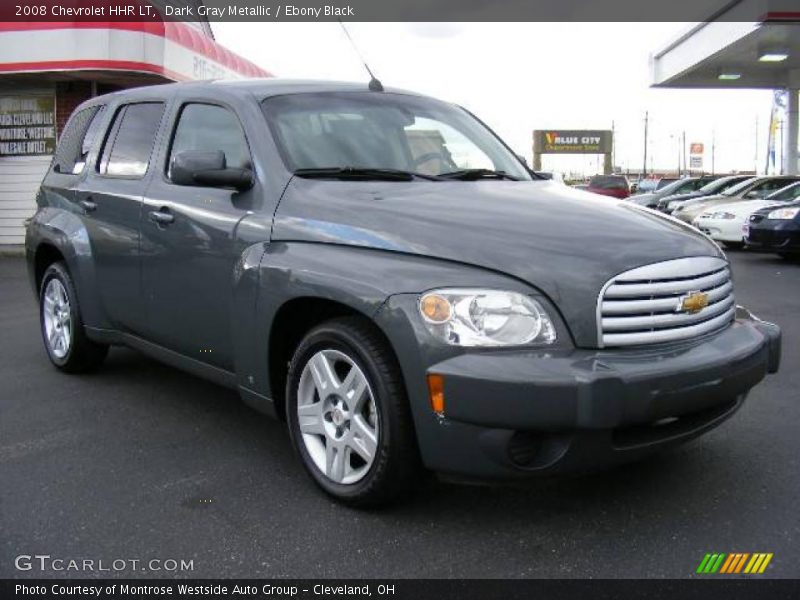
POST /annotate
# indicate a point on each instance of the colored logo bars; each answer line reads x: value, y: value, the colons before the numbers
x: 751, y: 564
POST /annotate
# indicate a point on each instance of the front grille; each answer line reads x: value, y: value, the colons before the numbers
x: 643, y: 305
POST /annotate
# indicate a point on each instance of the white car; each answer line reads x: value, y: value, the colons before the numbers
x: 727, y: 223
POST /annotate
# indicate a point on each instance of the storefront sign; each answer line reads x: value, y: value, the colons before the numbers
x: 552, y: 141
x: 27, y: 125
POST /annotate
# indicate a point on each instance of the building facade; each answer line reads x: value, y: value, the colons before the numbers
x: 49, y: 68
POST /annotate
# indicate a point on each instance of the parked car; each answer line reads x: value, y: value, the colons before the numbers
x: 645, y: 186
x: 668, y: 204
x: 727, y: 223
x: 776, y: 229
x: 687, y: 184
x: 756, y: 188
x: 615, y: 186
x: 400, y: 307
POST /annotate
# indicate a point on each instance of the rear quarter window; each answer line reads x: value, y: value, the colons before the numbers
x: 130, y: 140
x: 77, y: 140
x: 608, y: 183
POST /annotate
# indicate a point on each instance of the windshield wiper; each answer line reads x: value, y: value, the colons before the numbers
x: 475, y: 174
x: 362, y: 173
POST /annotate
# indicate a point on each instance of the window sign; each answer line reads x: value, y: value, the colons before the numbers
x: 27, y: 125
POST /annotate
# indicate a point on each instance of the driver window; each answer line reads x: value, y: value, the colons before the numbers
x: 438, y: 148
x: 209, y: 127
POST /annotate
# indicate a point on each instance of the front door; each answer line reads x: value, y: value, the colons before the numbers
x: 189, y: 243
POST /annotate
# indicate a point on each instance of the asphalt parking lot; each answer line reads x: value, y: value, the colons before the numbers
x: 141, y: 461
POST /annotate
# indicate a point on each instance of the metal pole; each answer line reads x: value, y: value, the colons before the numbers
x: 683, y: 144
x: 790, y: 142
x: 644, y: 166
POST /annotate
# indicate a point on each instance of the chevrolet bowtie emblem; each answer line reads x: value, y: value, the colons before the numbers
x: 693, y: 302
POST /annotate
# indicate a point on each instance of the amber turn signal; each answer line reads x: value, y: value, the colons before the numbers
x: 436, y: 393
x: 435, y: 308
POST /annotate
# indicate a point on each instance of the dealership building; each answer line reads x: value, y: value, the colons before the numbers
x: 746, y: 44
x: 47, y: 69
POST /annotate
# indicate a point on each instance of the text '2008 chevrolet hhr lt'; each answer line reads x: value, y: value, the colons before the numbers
x: 379, y: 270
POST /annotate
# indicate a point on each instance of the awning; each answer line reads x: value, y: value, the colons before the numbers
x: 173, y: 50
x: 732, y: 48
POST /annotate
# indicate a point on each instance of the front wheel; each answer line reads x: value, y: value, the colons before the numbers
x: 62, y: 326
x: 348, y: 414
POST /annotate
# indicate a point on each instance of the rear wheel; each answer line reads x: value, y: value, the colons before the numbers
x: 348, y: 414
x: 62, y: 326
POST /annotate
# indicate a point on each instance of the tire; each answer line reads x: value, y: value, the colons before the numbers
x: 790, y: 256
x: 734, y: 245
x: 61, y: 324
x: 333, y: 447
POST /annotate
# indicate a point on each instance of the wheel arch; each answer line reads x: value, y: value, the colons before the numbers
x: 292, y: 321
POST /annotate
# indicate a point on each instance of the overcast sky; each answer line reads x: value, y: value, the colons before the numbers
x: 523, y: 76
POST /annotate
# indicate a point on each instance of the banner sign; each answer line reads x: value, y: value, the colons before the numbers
x: 27, y: 125
x: 581, y: 141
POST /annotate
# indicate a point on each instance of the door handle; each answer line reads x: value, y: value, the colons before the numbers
x: 162, y: 216
x: 88, y: 205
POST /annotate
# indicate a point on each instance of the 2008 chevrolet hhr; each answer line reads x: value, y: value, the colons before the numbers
x: 378, y: 269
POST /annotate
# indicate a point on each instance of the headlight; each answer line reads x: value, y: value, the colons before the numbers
x: 784, y: 213
x: 722, y: 215
x: 475, y: 317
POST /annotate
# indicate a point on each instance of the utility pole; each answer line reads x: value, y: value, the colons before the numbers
x: 613, y: 147
x: 644, y: 165
x: 683, y: 145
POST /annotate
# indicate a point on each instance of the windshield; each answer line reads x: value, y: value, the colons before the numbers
x: 739, y: 187
x: 786, y: 194
x: 682, y: 185
x: 369, y: 130
x: 718, y: 185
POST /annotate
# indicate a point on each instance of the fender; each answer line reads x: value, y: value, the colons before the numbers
x: 65, y: 231
x: 357, y: 277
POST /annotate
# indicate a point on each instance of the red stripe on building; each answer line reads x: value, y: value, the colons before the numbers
x: 176, y: 32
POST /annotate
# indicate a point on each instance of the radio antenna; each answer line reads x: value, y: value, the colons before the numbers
x: 374, y: 84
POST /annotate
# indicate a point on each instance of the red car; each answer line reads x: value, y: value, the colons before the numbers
x: 615, y: 186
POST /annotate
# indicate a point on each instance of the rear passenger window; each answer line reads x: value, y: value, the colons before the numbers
x: 77, y: 140
x: 130, y: 140
x: 210, y: 127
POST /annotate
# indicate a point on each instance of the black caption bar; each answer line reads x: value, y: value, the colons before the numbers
x: 398, y: 10
x: 399, y: 589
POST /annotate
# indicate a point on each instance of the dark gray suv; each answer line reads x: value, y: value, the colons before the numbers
x: 379, y: 270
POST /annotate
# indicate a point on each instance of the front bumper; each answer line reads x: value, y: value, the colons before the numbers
x: 773, y: 235
x: 722, y: 230
x: 519, y: 413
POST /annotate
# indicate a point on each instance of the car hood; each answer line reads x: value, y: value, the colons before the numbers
x: 699, y: 205
x: 644, y: 199
x: 564, y: 242
x: 744, y: 208
x: 682, y: 197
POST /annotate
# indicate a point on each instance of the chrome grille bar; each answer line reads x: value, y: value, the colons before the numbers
x: 644, y: 305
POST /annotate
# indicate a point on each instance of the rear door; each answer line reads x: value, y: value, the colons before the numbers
x: 111, y: 198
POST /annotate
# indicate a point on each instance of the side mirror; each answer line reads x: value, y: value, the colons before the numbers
x: 208, y: 169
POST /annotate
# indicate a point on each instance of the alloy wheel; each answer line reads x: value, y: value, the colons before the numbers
x: 57, y: 318
x: 337, y: 417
